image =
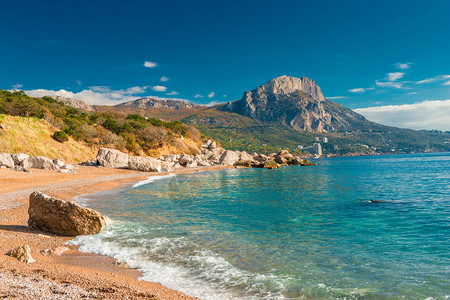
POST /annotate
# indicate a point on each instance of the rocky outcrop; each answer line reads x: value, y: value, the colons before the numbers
x: 295, y: 102
x: 147, y: 164
x: 39, y: 162
x: 111, y: 158
x: 158, y: 103
x: 78, y: 104
x: 22, y: 253
x: 6, y: 160
x: 19, y: 158
x: 62, y: 217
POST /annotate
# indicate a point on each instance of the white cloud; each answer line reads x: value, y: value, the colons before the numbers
x: 225, y: 96
x: 336, y: 97
x: 173, y: 93
x: 159, y: 88
x: 432, y: 79
x: 447, y: 83
x: 149, y: 64
x: 198, y: 96
x: 210, y: 95
x: 135, y: 90
x: 17, y: 86
x: 395, y: 75
x: 358, y: 90
x: 412, y: 93
x: 397, y: 85
x: 164, y: 79
x: 403, y: 66
x: 429, y: 114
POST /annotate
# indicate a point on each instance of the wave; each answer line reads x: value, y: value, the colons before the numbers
x: 152, y: 179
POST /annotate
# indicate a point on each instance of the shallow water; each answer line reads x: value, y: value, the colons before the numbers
x: 359, y: 227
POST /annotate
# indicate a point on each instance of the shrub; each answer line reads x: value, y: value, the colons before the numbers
x: 60, y: 136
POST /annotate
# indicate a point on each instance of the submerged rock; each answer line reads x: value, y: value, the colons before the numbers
x: 62, y: 217
x: 22, y: 253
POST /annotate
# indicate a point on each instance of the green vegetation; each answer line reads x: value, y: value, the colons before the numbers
x: 60, y: 136
x: 132, y: 133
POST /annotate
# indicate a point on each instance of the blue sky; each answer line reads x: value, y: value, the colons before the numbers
x: 362, y: 54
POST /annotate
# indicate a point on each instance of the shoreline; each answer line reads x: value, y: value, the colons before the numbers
x: 74, y: 274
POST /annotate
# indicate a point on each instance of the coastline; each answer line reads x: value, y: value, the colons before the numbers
x: 74, y: 274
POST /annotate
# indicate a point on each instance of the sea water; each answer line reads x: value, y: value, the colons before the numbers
x: 349, y: 228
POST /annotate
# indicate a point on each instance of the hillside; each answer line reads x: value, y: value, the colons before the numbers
x: 129, y: 133
x: 33, y: 137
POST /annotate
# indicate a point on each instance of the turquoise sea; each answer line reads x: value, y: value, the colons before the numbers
x: 350, y: 228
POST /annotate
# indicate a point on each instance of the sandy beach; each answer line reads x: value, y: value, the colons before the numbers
x: 74, y: 275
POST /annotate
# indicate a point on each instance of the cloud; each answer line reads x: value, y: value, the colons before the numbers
x: 225, y: 96
x: 336, y: 97
x: 149, y: 64
x: 429, y: 114
x: 173, y: 93
x: 403, y: 66
x: 447, y: 83
x: 397, y: 85
x: 198, y: 96
x: 432, y: 79
x: 212, y: 94
x: 358, y: 90
x: 395, y: 75
x: 17, y: 86
x: 412, y: 93
x: 159, y: 88
x: 164, y: 79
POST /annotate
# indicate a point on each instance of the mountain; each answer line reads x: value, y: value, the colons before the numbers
x: 150, y: 102
x: 78, y: 104
x: 298, y: 103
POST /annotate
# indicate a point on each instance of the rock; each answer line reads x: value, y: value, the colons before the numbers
x: 20, y: 169
x: 58, y: 251
x: 22, y: 253
x: 68, y: 167
x: 112, y: 158
x: 171, y: 158
x: 203, y: 163
x: 39, y: 162
x: 62, y: 217
x: 229, y: 157
x: 270, y: 164
x: 260, y: 158
x: 58, y: 163
x: 144, y: 164
x: 6, y: 160
x: 184, y: 159
x: 244, y: 163
x: 280, y: 160
x: 244, y: 156
x: 89, y: 163
x: 175, y: 165
x: 67, y: 171
x: 19, y: 157
x: 121, y: 264
x: 191, y: 164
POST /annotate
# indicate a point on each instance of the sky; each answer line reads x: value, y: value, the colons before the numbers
x: 388, y: 60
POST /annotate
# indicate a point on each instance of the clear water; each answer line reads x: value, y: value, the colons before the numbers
x: 349, y: 228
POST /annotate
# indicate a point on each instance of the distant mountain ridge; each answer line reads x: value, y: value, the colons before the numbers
x: 151, y: 102
x: 298, y: 103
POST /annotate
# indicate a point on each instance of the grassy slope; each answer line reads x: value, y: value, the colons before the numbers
x: 33, y: 137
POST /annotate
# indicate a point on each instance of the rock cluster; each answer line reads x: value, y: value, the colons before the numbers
x: 62, y: 217
x: 23, y: 162
x: 210, y: 155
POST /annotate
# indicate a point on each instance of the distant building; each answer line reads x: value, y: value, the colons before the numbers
x: 324, y: 140
x: 316, y: 148
x: 316, y: 139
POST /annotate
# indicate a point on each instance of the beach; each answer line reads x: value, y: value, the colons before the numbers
x: 73, y: 274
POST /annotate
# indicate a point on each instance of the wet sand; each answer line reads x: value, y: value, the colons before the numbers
x: 74, y: 275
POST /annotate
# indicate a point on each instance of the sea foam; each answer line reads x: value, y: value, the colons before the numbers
x: 152, y: 179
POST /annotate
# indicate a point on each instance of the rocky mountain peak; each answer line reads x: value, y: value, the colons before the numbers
x: 288, y: 84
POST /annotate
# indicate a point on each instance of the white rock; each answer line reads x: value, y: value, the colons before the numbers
x: 229, y: 157
x: 19, y: 157
x: 112, y: 158
x: 6, y: 160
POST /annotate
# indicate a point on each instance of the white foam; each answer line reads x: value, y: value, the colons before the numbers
x: 152, y: 179
x: 198, y: 273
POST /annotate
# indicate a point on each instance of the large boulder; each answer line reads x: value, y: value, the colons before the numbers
x: 22, y: 253
x: 62, y: 217
x: 39, y: 162
x: 147, y: 164
x: 229, y: 157
x: 112, y: 158
x: 19, y: 158
x: 6, y: 160
x: 244, y: 156
x: 184, y: 159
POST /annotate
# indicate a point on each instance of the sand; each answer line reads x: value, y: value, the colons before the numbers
x: 73, y: 275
